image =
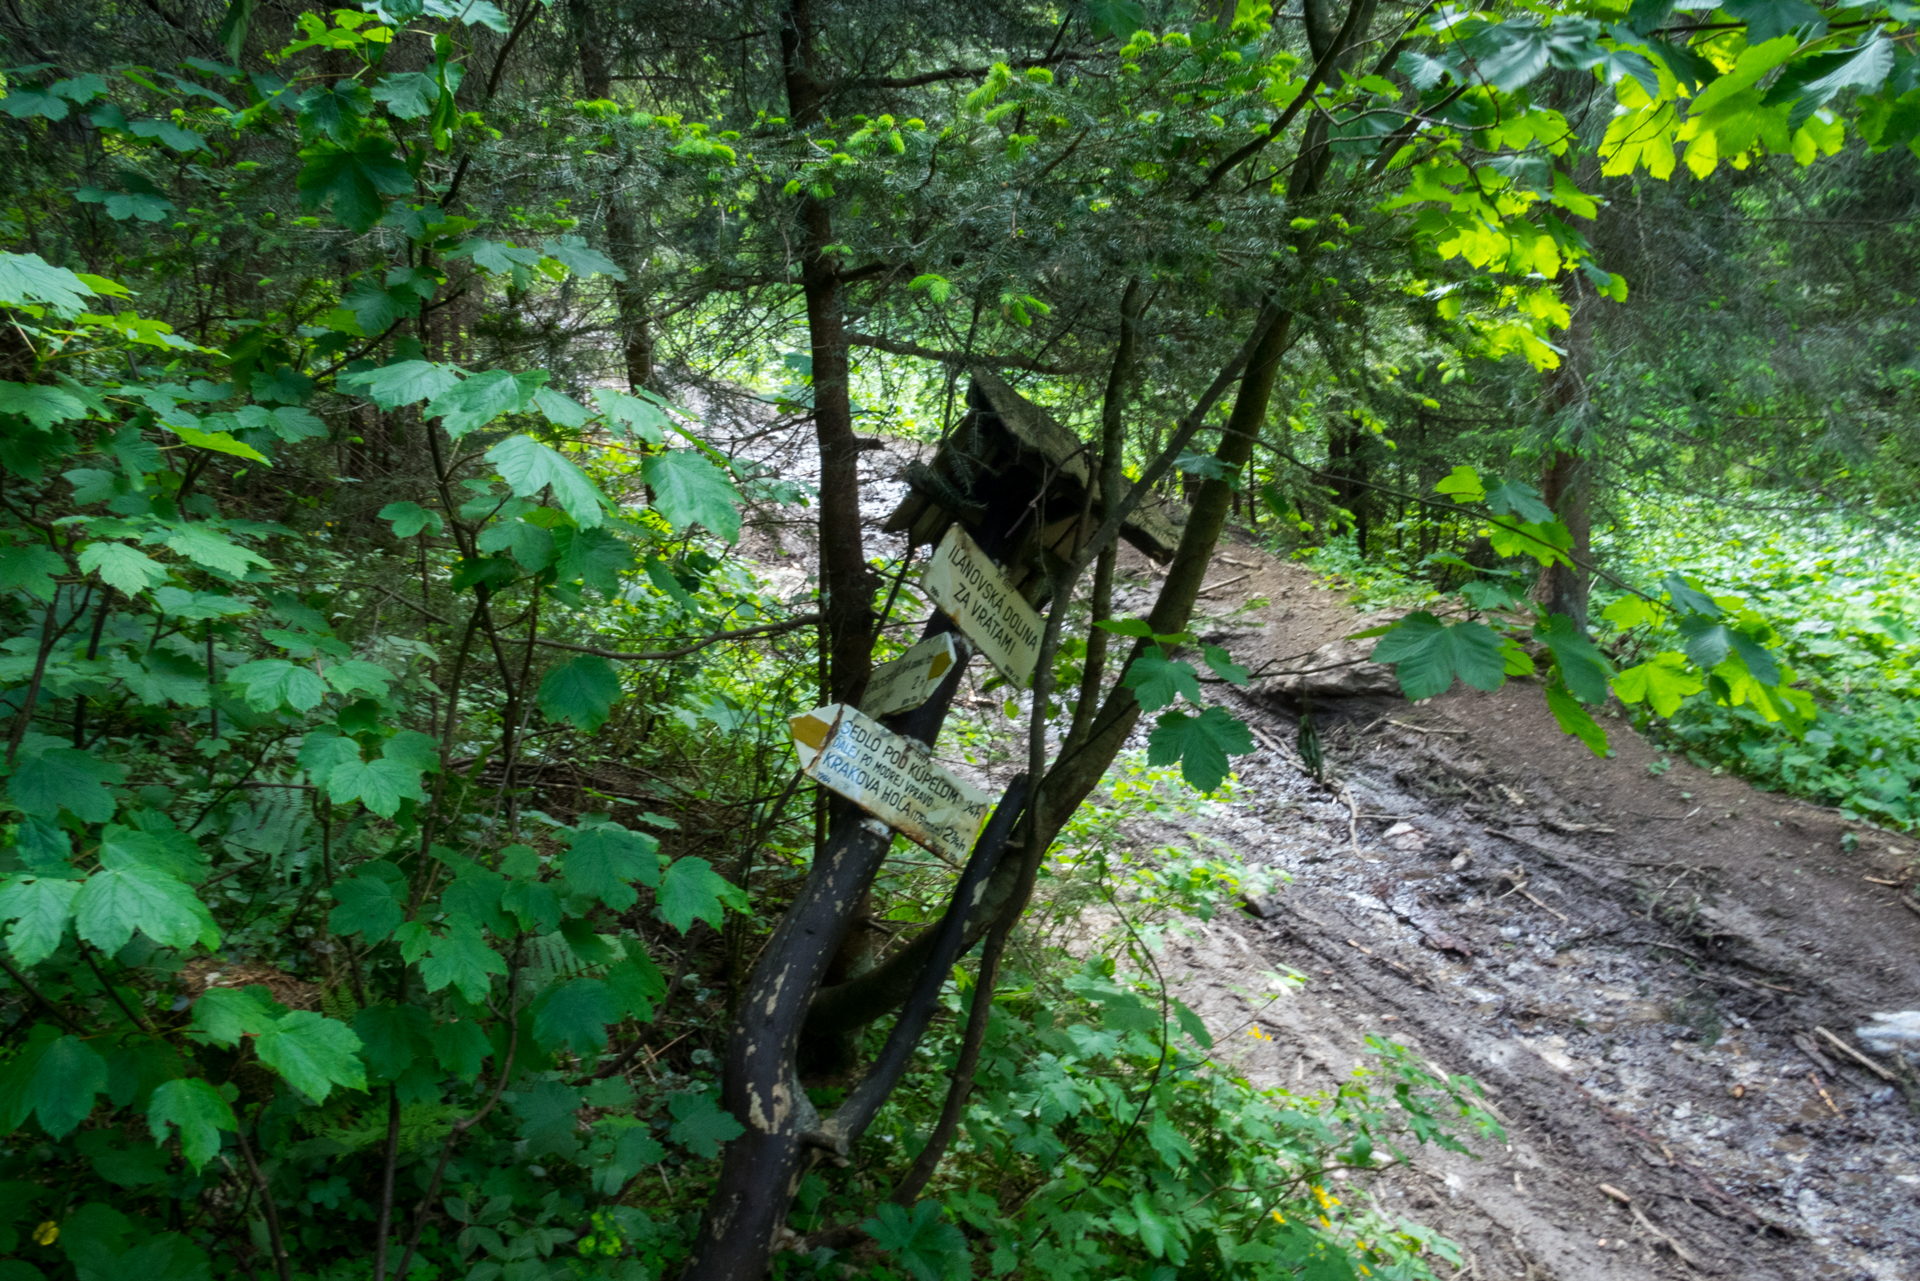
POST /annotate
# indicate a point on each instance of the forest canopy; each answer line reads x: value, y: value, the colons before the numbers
x: 451, y: 449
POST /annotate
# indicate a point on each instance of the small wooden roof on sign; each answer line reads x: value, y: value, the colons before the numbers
x: 1008, y: 451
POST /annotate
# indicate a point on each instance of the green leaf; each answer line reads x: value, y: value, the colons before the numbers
x: 269, y: 684
x: 1811, y: 83
x: 1661, y: 682
x: 368, y: 905
x: 215, y: 550
x: 405, y: 382
x: 641, y: 415
x: 548, y: 1113
x: 413, y: 749
x: 29, y: 278
x: 1548, y: 542
x: 379, y: 785
x: 39, y: 404
x: 393, y: 1037
x: 1428, y: 655
x: 490, y: 572
x: 60, y: 1092
x: 193, y: 1107
x: 356, y: 675
x: 30, y: 569
x: 561, y: 411
x: 1705, y: 639
x: 530, y: 545
x: 595, y: 557
x: 45, y: 783
x: 474, y: 402
x: 184, y: 141
x: 407, y: 94
x: 920, y: 1240
x: 1193, y: 1025
x: 164, y: 849
x: 602, y: 860
x: 1224, y: 667
x: 222, y: 1015
x: 353, y: 178
x: 1463, y: 485
x: 1156, y: 680
x: 689, y: 490
x: 116, y: 901
x: 1126, y: 627
x: 460, y: 1047
x: 699, y: 1124
x: 575, y: 1014
x: 313, y: 1052
x: 39, y: 908
x: 636, y: 982
x: 1201, y: 744
x: 580, y: 692
x: 410, y: 518
x: 127, y: 569
x: 1581, y: 666
x: 461, y: 958
x: 1574, y: 720
x: 1757, y: 657
x: 497, y: 256
x: 578, y: 257
x: 1513, y: 498
x: 1770, y: 19
x: 529, y: 467
x: 692, y: 890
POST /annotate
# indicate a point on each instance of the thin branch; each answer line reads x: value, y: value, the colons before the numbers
x: 953, y: 357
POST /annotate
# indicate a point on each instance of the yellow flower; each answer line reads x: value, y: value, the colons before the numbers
x: 47, y: 1233
x: 1324, y: 1223
x: 1279, y: 1217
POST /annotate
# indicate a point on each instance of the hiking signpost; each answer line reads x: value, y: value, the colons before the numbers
x: 891, y: 778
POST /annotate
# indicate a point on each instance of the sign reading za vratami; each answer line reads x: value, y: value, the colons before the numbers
x: 889, y: 777
x: 970, y: 587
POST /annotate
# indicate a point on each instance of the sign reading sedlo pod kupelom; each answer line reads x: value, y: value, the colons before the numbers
x: 965, y: 583
x: 910, y: 680
x: 890, y: 777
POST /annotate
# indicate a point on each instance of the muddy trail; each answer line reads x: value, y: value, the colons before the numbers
x: 1635, y: 963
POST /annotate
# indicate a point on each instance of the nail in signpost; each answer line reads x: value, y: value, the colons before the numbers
x: 910, y: 680
x: 975, y: 592
x: 890, y: 777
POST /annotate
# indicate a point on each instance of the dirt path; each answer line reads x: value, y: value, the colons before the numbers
x: 1632, y: 964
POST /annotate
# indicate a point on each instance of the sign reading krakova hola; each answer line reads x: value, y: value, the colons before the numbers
x: 910, y: 680
x: 970, y: 587
x: 889, y: 777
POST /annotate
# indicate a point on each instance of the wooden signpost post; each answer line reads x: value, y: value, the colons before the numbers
x: 891, y: 778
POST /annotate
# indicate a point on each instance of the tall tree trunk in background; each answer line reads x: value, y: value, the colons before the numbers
x: 1567, y: 460
x: 629, y: 295
x: 846, y: 581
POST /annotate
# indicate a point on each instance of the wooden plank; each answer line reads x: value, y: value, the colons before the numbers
x: 910, y: 680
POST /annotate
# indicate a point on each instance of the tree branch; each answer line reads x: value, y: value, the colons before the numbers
x: 953, y: 357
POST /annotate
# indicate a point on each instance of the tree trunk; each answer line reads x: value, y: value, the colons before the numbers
x: 623, y: 240
x: 1566, y: 462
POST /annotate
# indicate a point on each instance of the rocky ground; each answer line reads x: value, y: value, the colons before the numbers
x: 1636, y: 961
